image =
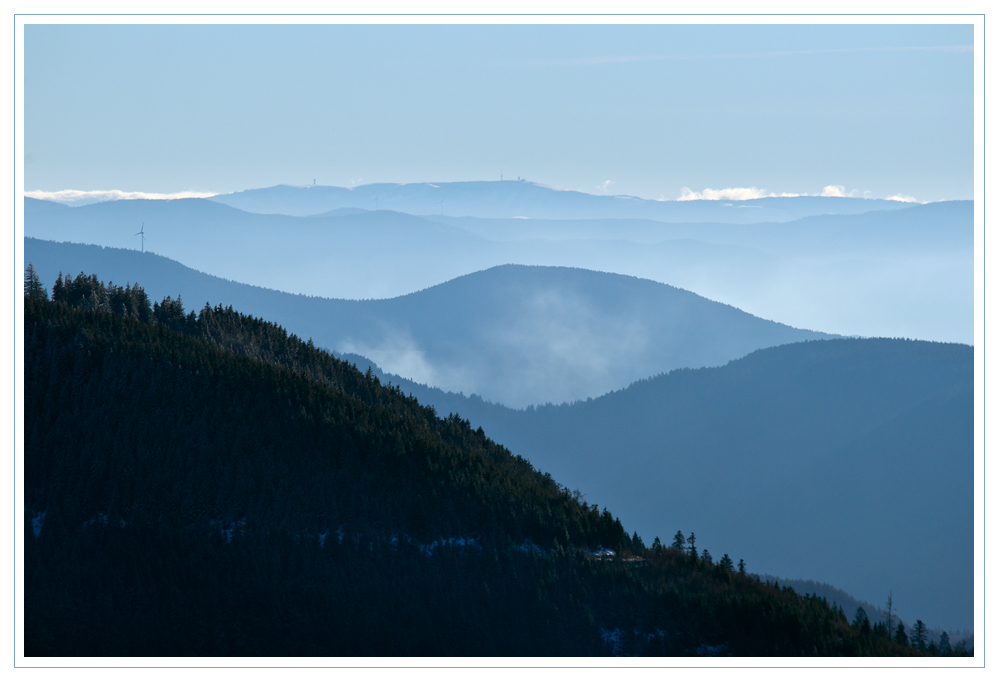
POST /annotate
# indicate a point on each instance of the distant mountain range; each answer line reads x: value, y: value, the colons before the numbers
x: 905, y: 272
x: 510, y: 199
x: 518, y: 335
x: 915, y: 228
x: 319, y: 255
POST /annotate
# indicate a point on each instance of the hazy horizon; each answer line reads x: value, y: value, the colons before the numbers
x: 78, y: 197
x: 654, y: 111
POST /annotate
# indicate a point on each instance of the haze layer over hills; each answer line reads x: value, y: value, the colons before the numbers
x: 511, y: 199
x: 518, y: 335
x: 901, y: 271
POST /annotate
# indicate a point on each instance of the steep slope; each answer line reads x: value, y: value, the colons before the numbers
x: 848, y: 462
x: 157, y: 464
x: 850, y: 605
x: 514, y: 334
x: 207, y: 485
x: 497, y: 199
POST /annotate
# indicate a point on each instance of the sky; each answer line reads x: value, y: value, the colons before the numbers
x: 656, y: 111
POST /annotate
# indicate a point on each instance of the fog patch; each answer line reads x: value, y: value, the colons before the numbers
x: 550, y: 346
x: 398, y: 354
x: 565, y: 349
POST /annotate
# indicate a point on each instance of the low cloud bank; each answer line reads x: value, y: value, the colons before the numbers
x: 81, y: 197
x: 737, y: 194
x: 742, y: 194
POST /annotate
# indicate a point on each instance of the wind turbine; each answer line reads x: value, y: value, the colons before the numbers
x: 143, y: 236
x: 375, y: 200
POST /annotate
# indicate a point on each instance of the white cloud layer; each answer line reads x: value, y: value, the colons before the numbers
x: 81, y: 197
x: 742, y: 194
x: 732, y: 193
x: 735, y: 194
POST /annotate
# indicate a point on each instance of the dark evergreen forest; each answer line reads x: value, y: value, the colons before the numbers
x: 207, y: 484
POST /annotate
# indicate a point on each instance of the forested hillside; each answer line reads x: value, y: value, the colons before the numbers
x: 205, y: 484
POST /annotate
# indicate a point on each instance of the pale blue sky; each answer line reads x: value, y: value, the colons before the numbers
x: 881, y: 109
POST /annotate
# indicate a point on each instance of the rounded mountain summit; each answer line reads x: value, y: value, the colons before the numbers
x: 516, y: 335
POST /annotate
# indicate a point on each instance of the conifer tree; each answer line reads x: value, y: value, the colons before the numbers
x: 944, y: 645
x: 691, y: 547
x: 33, y: 288
x: 918, y: 638
x: 888, y: 612
x: 900, y: 637
x: 861, y: 621
x: 57, y: 288
x: 678, y: 543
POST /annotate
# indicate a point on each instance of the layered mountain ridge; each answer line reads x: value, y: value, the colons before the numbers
x: 518, y: 335
x: 208, y: 485
x: 900, y: 272
x: 509, y: 199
